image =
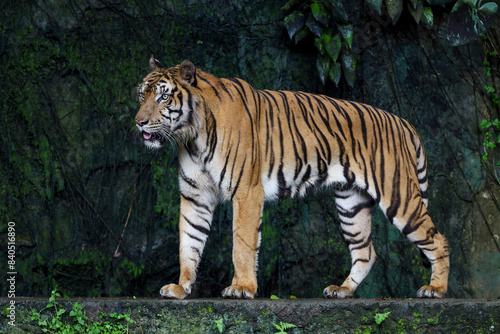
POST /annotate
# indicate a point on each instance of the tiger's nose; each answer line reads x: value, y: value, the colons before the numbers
x: 141, y: 122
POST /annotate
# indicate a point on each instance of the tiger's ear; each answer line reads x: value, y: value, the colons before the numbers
x: 155, y: 63
x: 187, y: 72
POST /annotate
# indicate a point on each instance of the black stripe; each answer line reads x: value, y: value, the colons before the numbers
x: 363, y: 123
x: 424, y: 194
x: 423, y: 180
x: 195, y: 238
x: 223, y: 172
x: 366, y: 244
x: 395, y: 196
x: 345, y: 223
x: 199, y: 228
x: 360, y: 260
x: 243, y: 96
x: 305, y: 177
x: 354, y: 210
x: 211, y: 130
x: 410, y: 227
x: 188, y: 180
x: 196, y: 250
x: 195, y: 202
x: 424, y: 242
x: 283, y: 190
x: 211, y: 86
x: 224, y: 88
x: 239, y: 179
x: 349, y: 234
x: 322, y: 169
x: 353, y: 241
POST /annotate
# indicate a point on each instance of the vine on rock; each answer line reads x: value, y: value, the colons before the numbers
x: 327, y: 21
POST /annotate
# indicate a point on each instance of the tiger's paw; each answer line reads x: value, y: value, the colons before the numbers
x: 173, y: 291
x: 337, y: 292
x: 430, y: 291
x: 239, y: 292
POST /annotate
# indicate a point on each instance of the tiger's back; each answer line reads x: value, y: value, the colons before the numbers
x: 248, y: 145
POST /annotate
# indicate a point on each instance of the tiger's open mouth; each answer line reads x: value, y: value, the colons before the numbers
x: 152, y: 139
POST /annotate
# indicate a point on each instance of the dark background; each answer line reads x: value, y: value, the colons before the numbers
x: 74, y: 172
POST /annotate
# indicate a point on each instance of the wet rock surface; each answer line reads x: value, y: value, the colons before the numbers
x: 259, y: 316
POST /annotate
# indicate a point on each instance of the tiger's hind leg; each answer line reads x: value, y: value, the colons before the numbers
x: 354, y: 208
x: 416, y: 224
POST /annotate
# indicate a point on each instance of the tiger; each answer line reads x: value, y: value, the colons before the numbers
x: 243, y: 145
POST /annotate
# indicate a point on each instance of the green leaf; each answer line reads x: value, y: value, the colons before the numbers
x: 485, y: 124
x: 315, y: 8
x: 320, y: 13
x: 319, y: 46
x: 438, y: 2
x: 427, y: 16
x: 376, y: 5
x: 313, y: 26
x: 414, y: 3
x: 339, y: 13
x: 294, y: 23
x: 489, y: 8
x: 394, y: 8
x: 347, y: 34
x: 349, y: 62
x: 457, y: 5
x: 301, y: 35
x: 290, y: 4
x: 332, y: 45
x: 323, y: 64
x: 380, y: 317
x: 335, y: 72
x: 489, y: 89
x: 416, y: 12
x: 496, y: 123
x: 274, y: 297
x: 489, y: 144
x: 471, y: 3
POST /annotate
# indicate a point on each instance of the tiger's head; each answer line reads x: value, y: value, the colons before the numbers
x: 167, y: 104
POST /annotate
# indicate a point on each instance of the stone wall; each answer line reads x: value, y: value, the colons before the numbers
x: 75, y: 177
x: 262, y: 316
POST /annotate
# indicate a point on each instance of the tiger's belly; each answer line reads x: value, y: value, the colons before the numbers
x: 288, y: 181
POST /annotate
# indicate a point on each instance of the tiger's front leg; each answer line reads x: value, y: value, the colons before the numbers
x: 195, y: 219
x: 247, y: 220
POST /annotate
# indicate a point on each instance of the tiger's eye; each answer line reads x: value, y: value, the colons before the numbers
x: 165, y: 96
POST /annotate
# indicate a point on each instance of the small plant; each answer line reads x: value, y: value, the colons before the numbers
x: 282, y: 327
x: 380, y: 317
x: 274, y: 297
x: 489, y: 136
x: 80, y: 324
x: 219, y: 325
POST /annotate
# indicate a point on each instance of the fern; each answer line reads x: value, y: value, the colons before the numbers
x: 283, y: 326
x: 380, y: 317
